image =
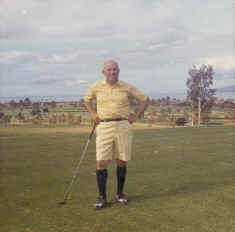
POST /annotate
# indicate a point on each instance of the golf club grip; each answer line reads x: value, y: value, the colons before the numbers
x: 92, y: 132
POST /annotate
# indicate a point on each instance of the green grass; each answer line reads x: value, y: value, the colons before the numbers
x: 180, y: 179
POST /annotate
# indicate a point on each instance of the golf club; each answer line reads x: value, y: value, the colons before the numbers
x: 76, y: 170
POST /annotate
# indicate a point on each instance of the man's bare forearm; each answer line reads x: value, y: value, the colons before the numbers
x: 92, y: 112
x: 89, y: 107
x: 141, y: 108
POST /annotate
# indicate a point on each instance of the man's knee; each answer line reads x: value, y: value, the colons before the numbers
x: 102, y: 164
x: 121, y: 163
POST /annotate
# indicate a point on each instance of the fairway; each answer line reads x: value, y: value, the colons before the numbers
x: 180, y: 179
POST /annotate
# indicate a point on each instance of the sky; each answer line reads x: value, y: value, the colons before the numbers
x: 58, y: 47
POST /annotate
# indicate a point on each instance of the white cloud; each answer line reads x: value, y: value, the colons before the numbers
x: 226, y: 63
x: 83, y: 18
x: 74, y: 83
x: 60, y: 59
x: 157, y: 46
x: 14, y: 57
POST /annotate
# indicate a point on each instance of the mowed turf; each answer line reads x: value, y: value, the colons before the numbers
x: 180, y: 179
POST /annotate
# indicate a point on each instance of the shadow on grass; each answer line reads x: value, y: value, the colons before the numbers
x: 185, y: 189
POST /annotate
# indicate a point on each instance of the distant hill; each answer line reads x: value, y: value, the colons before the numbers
x: 57, y: 98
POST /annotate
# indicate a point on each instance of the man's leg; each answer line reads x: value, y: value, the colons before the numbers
x: 123, y: 142
x: 104, y: 144
x: 121, y: 177
x: 101, y: 177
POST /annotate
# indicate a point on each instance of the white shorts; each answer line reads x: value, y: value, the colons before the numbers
x: 114, y: 137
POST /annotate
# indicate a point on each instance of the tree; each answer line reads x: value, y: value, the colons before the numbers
x: 21, y: 104
x: 53, y: 104
x: 163, y: 115
x: 45, y: 110
x: 13, y: 104
x: 81, y: 102
x: 200, y: 94
x: 2, y: 106
x: 36, y: 108
x: 27, y: 102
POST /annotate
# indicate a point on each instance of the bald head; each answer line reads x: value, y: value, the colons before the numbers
x: 111, y: 71
x: 110, y: 62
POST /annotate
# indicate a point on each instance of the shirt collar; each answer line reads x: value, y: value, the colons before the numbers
x: 104, y: 82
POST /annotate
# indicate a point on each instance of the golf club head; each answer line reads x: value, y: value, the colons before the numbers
x: 62, y: 202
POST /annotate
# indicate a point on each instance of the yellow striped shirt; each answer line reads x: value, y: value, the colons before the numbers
x: 113, y: 101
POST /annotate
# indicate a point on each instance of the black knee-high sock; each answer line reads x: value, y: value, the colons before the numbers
x: 121, y: 176
x: 101, y: 177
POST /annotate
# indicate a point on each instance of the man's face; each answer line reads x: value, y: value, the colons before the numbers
x: 111, y: 72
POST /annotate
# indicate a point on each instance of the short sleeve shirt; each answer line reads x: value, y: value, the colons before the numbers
x: 113, y: 101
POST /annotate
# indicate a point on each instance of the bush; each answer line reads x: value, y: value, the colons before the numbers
x: 45, y: 110
x: 180, y: 121
x: 35, y: 112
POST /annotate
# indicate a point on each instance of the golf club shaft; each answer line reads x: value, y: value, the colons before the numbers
x: 76, y: 170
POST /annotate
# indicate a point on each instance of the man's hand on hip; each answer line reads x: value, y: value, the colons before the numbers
x: 95, y: 118
x: 132, y: 118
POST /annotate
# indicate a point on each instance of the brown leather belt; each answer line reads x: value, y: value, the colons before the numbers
x: 113, y: 119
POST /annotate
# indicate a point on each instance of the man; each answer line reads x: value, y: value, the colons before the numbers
x: 113, y: 132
